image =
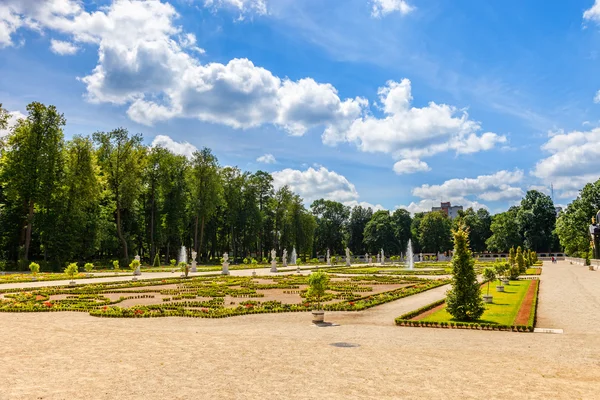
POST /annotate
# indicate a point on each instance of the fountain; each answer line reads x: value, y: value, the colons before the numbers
x: 182, y: 255
x: 294, y: 257
x: 410, y: 258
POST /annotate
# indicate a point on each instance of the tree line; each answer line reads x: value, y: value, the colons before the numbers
x: 109, y: 196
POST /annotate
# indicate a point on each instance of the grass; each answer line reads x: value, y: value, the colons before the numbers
x: 533, y: 271
x: 502, y: 311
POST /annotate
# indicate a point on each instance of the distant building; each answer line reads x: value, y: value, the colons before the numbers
x: 448, y: 209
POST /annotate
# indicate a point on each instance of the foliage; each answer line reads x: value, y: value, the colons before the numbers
x: 435, y: 232
x: 34, y: 268
x: 477, y: 224
x: 489, y: 275
x: 156, y: 261
x: 536, y: 219
x: 379, y: 233
x: 359, y: 218
x: 505, y: 231
x: 464, y: 301
x: 522, y: 266
x: 331, y: 218
x: 116, y: 264
x: 71, y: 270
x: 134, y: 264
x: 183, y: 266
x: 173, y: 262
x: 88, y: 267
x: 317, y: 284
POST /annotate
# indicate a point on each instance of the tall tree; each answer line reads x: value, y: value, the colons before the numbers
x: 206, y: 191
x: 332, y: 217
x: 505, y: 231
x: 359, y: 218
x: 401, y: 222
x: 379, y: 233
x: 33, y: 163
x: 415, y: 232
x: 435, y: 232
x: 121, y: 158
x: 478, y: 226
x: 537, y: 219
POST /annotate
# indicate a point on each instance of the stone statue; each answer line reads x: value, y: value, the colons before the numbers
x: 367, y: 259
x: 225, y: 270
x: 348, y: 263
x: 194, y: 254
x: 284, y: 258
x: 382, y: 257
x: 273, y: 261
x: 328, y: 258
x: 137, y: 270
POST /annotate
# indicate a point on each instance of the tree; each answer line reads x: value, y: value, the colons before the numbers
x: 489, y: 275
x: 206, y: 191
x: 401, y: 223
x: 379, y: 233
x: 317, y: 284
x: 359, y: 218
x: 415, y: 231
x: 477, y: 224
x: 505, y: 231
x: 4, y: 116
x: 464, y: 299
x: 435, y: 232
x: 121, y: 160
x: 536, y: 219
x: 33, y: 163
x: 331, y: 217
x: 573, y: 222
x: 521, y: 260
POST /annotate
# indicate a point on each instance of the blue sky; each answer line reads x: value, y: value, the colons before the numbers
x: 391, y: 103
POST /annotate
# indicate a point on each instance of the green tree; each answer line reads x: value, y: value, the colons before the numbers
x: 121, y: 157
x: 317, y: 285
x: 379, y: 233
x: 478, y: 225
x: 401, y: 222
x: 33, y: 163
x: 332, y: 218
x: 572, y: 226
x: 435, y: 232
x: 536, y: 218
x: 521, y: 260
x: 415, y: 231
x: 359, y: 218
x: 464, y: 301
x: 505, y: 231
x: 206, y: 192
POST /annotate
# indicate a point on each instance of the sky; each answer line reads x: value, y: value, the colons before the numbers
x: 384, y: 103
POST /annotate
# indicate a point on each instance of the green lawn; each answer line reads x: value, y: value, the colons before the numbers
x: 504, y: 309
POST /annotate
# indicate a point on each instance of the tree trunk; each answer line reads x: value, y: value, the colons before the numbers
x: 121, y: 237
x: 201, y: 236
x: 28, y: 229
x: 196, y: 235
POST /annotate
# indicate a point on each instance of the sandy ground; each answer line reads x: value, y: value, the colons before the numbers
x: 283, y: 356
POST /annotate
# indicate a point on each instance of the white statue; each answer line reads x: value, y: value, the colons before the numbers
x: 137, y: 270
x: 194, y: 264
x: 225, y: 270
x: 348, y: 263
x: 194, y: 254
x: 382, y: 257
x: 328, y: 258
x: 367, y: 259
x: 273, y: 261
x: 284, y: 258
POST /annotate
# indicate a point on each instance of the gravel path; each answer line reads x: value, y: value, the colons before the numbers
x: 277, y: 356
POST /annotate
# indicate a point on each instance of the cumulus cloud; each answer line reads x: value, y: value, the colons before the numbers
x: 597, y: 97
x: 384, y: 7
x: 313, y: 184
x: 181, y: 148
x: 63, y: 48
x: 267, y: 159
x: 408, y: 166
x: 365, y: 204
x: 408, y: 132
x: 493, y: 187
x: 593, y: 14
x: 574, y: 160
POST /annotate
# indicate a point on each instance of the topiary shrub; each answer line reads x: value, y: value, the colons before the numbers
x: 88, y: 267
x: 116, y: 264
x: 173, y: 263
x: 464, y: 301
x: 34, y: 268
x: 134, y: 265
x: 72, y: 270
x: 184, y: 268
x: 521, y: 261
x: 156, y: 262
x: 317, y: 284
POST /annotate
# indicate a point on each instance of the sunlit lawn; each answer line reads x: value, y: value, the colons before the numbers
x: 502, y: 311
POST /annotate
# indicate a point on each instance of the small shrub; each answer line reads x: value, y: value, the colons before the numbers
x: 34, y: 268
x: 116, y: 264
x: 184, y: 268
x: 245, y: 261
x: 88, y: 267
x: 156, y: 262
x: 134, y: 265
x: 71, y: 270
x: 173, y: 263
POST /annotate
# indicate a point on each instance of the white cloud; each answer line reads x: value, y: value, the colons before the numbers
x: 593, y: 14
x: 486, y: 187
x: 313, y: 184
x: 364, y: 204
x: 243, y: 6
x: 63, y: 48
x: 412, y: 133
x: 14, y: 116
x: 267, y: 159
x: 597, y: 97
x: 408, y: 166
x: 181, y: 148
x: 384, y: 7
x: 574, y: 160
